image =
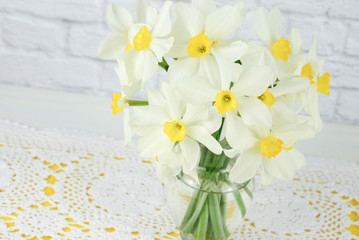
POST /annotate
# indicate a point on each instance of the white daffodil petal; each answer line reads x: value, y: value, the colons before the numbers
x: 181, y: 69
x: 190, y: 18
x: 175, y: 106
x: 214, y: 120
x: 113, y: 46
x: 246, y: 166
x: 292, y: 133
x: 177, y: 51
x: 121, y: 72
x: 312, y: 108
x: 233, y: 51
x: 228, y: 71
x: 312, y: 55
x: 154, y: 97
x: 274, y: 22
x: 299, y: 159
x: 296, y: 42
x: 130, y: 90
x: 194, y: 175
x: 195, y: 114
x: 253, y: 81
x: 196, y: 90
x: 160, y: 46
x: 202, y: 135
x: 163, y: 25
x: 149, y: 63
x: 205, y: 7
x: 266, y: 177
x: 208, y: 67
x: 261, y: 27
x: 119, y: 19
x: 127, y: 120
x: 163, y: 172
x: 191, y: 153
x: 141, y: 8
x: 129, y: 83
x: 254, y: 112
x: 281, y: 166
x: 231, y: 153
x: 224, y: 21
x: 151, y: 16
x: 171, y: 158
x: 153, y: 144
x: 150, y: 115
x: 282, y: 115
x: 259, y: 56
x: 237, y: 133
x: 290, y: 85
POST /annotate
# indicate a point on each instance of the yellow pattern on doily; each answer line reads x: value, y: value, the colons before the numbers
x: 51, y: 193
x: 70, y: 185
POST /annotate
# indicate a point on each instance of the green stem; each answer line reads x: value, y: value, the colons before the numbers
x: 203, y: 223
x: 136, y: 102
x: 191, y: 207
x: 224, y: 212
x: 196, y: 213
x: 206, y: 214
x: 215, y: 216
x: 250, y: 194
x: 204, y: 152
x: 164, y: 64
x: 238, y: 198
x: 209, y: 229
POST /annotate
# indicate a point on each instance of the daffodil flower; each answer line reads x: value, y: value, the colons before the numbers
x: 201, y: 29
x: 130, y: 85
x: 172, y: 130
x: 266, y: 27
x: 142, y: 43
x: 273, y: 147
x: 290, y: 85
x: 283, y: 53
x: 319, y: 82
x: 120, y: 104
x: 239, y: 104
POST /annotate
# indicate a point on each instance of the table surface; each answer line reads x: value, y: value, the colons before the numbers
x: 63, y: 184
x: 66, y: 180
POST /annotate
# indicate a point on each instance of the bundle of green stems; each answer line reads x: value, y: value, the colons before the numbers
x: 205, y: 217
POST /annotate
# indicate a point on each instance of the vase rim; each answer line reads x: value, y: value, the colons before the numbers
x: 190, y: 182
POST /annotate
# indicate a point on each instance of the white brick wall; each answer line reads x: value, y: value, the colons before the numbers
x: 53, y: 45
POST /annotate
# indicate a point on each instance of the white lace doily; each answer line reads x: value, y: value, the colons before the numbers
x: 58, y: 184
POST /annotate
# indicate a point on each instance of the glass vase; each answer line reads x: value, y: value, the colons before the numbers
x: 211, y: 207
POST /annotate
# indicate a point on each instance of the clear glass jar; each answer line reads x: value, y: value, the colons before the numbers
x: 212, y: 208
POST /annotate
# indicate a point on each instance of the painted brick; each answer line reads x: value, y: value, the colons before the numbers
x: 348, y: 105
x: 327, y: 104
x: 344, y: 71
x: 331, y: 34
x: 53, y: 73
x: 352, y: 46
x: 84, y: 41
x: 1, y: 31
x: 53, y: 44
x: 29, y: 33
x: 73, y: 10
x: 317, y: 7
x: 344, y: 9
x: 109, y: 80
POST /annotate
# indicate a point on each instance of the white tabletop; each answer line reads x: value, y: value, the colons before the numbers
x: 84, y: 186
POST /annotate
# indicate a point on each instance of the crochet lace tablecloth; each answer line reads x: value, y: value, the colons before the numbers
x: 60, y: 184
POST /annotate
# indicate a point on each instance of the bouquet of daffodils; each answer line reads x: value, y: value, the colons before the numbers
x: 228, y: 105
